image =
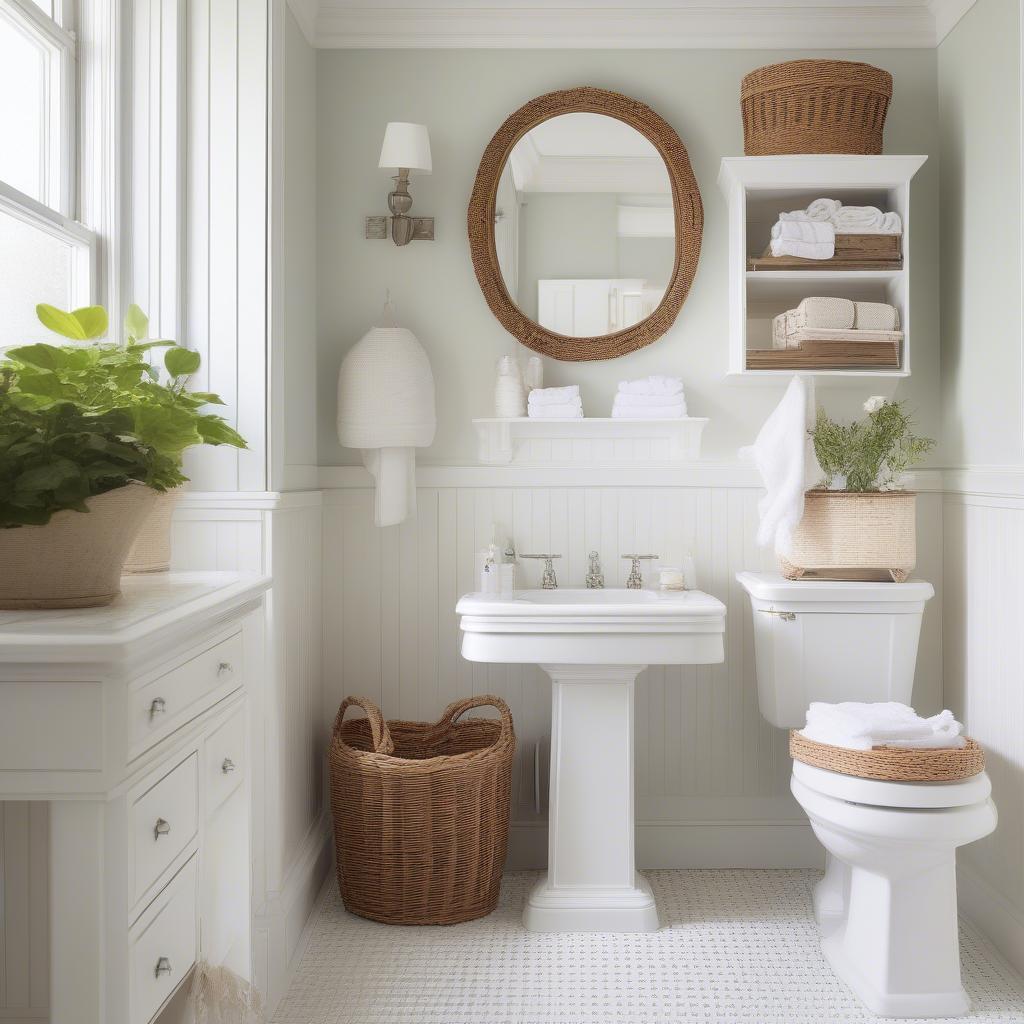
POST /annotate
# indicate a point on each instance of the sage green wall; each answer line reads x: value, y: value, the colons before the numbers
x: 979, y: 116
x: 463, y: 95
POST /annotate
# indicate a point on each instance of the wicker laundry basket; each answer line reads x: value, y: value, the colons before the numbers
x: 891, y: 764
x: 421, y: 812
x: 854, y: 535
x: 814, y: 106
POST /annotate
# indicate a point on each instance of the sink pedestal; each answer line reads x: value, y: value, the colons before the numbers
x: 591, y: 884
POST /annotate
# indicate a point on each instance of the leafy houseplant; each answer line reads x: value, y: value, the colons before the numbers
x: 82, y: 426
x: 860, y: 524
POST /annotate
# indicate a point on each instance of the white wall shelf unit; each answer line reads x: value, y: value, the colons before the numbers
x: 757, y: 189
x: 592, y: 441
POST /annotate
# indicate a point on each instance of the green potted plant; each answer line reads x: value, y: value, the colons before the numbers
x: 860, y: 523
x: 91, y: 433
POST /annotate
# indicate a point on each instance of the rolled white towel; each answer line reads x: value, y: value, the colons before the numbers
x: 649, y: 412
x: 866, y: 220
x: 809, y: 240
x: 653, y: 385
x: 561, y: 411
x: 824, y: 209
x: 554, y: 396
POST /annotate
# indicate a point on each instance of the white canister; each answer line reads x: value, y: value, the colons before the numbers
x: 509, y: 393
x: 671, y: 577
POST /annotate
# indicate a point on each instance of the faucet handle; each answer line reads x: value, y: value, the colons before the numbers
x: 635, y: 581
x: 595, y: 578
x: 547, y: 581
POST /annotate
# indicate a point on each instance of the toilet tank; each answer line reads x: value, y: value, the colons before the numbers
x: 832, y: 640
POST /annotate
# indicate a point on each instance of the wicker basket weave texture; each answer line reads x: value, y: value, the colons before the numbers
x: 856, y: 530
x: 814, y: 106
x: 891, y: 764
x: 421, y: 812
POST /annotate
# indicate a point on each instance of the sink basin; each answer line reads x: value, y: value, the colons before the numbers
x: 649, y: 627
x: 592, y: 644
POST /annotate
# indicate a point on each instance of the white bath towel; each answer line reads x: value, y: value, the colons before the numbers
x: 780, y: 454
x: 847, y: 220
x: 560, y: 411
x: 674, y: 411
x: 806, y: 239
x: 640, y: 401
x: 861, y: 726
x: 656, y: 384
x: 554, y: 396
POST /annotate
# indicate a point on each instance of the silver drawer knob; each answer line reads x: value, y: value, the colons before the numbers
x: 225, y: 668
x: 161, y: 828
x: 157, y: 707
x: 227, y: 766
x: 163, y: 966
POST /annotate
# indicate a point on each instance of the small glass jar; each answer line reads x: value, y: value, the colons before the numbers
x: 671, y: 577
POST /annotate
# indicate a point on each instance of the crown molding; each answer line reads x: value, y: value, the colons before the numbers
x: 306, y: 13
x: 674, y: 24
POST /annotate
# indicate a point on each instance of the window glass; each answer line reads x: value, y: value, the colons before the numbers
x: 24, y: 66
x: 35, y: 267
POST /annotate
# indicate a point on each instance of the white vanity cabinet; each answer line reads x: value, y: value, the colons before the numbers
x: 134, y: 723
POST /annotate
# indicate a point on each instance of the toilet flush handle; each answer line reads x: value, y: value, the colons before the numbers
x: 785, y: 616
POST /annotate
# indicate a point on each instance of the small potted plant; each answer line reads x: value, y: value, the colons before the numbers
x: 860, y: 523
x: 91, y: 433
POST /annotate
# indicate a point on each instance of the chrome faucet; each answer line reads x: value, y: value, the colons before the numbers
x: 635, y: 581
x: 547, y: 580
x: 595, y: 578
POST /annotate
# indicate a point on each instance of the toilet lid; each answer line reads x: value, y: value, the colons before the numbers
x: 877, y: 793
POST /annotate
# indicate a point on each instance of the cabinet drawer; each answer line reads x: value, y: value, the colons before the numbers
x: 163, y: 822
x: 226, y: 760
x: 161, y: 706
x: 163, y: 945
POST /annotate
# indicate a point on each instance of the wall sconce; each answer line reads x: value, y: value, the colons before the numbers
x: 406, y: 148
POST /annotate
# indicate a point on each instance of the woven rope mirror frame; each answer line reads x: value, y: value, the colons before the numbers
x: 689, y: 223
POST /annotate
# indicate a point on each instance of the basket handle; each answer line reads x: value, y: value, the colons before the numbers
x: 379, y: 732
x: 484, y: 700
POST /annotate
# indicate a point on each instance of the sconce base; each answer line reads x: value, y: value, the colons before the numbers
x: 422, y: 229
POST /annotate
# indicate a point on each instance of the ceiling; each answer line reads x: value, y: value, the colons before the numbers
x: 620, y: 24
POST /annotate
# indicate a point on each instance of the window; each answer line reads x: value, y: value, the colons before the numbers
x: 45, y: 255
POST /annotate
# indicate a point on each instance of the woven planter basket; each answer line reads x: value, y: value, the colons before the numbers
x: 891, y: 764
x: 75, y: 560
x: 814, y: 106
x: 151, y: 551
x: 421, y: 812
x: 854, y: 535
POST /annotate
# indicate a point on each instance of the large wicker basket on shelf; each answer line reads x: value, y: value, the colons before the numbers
x: 814, y: 106
x: 854, y: 535
x: 421, y: 812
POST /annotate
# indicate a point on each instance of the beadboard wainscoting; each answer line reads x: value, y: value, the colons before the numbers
x: 712, y: 775
x: 277, y: 534
x: 983, y: 652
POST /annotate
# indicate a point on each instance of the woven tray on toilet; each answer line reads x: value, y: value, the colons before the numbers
x: 892, y: 764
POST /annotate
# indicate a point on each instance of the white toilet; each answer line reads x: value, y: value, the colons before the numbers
x: 887, y: 904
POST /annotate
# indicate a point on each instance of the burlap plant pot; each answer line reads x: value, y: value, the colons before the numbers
x: 151, y: 551
x: 75, y: 560
x: 854, y: 535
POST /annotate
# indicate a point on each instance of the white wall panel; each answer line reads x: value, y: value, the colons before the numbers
x: 704, y: 754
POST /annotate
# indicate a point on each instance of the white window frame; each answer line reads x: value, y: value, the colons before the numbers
x: 63, y: 170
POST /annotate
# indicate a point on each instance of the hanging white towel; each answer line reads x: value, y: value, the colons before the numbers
x: 780, y: 454
x: 386, y: 409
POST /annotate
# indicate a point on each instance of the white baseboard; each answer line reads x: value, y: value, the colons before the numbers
x: 999, y: 920
x: 280, y: 924
x: 718, y: 844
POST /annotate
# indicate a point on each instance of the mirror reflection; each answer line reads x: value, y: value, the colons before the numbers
x: 584, y: 225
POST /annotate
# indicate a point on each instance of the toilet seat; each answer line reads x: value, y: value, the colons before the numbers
x: 884, y: 794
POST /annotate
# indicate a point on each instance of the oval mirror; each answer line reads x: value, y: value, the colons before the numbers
x: 585, y: 224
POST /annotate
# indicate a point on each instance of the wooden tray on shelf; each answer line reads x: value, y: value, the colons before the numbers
x: 827, y: 355
x: 853, y: 252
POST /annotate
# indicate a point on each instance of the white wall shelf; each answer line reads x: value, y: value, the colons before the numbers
x: 757, y: 189
x: 593, y: 441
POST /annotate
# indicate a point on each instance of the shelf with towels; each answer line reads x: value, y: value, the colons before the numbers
x: 588, y: 442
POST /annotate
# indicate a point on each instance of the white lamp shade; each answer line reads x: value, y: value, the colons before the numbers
x: 406, y: 145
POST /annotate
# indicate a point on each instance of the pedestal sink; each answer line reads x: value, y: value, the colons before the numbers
x: 593, y: 644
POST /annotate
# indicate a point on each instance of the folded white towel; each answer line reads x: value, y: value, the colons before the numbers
x: 780, y: 453
x: 554, y: 396
x: 622, y: 398
x: 675, y: 411
x: 861, y: 726
x: 806, y: 239
x: 653, y: 385
x: 876, y: 316
x: 847, y: 220
x: 823, y: 209
x: 561, y: 411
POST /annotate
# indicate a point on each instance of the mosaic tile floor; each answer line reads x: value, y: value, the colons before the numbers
x: 737, y: 947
